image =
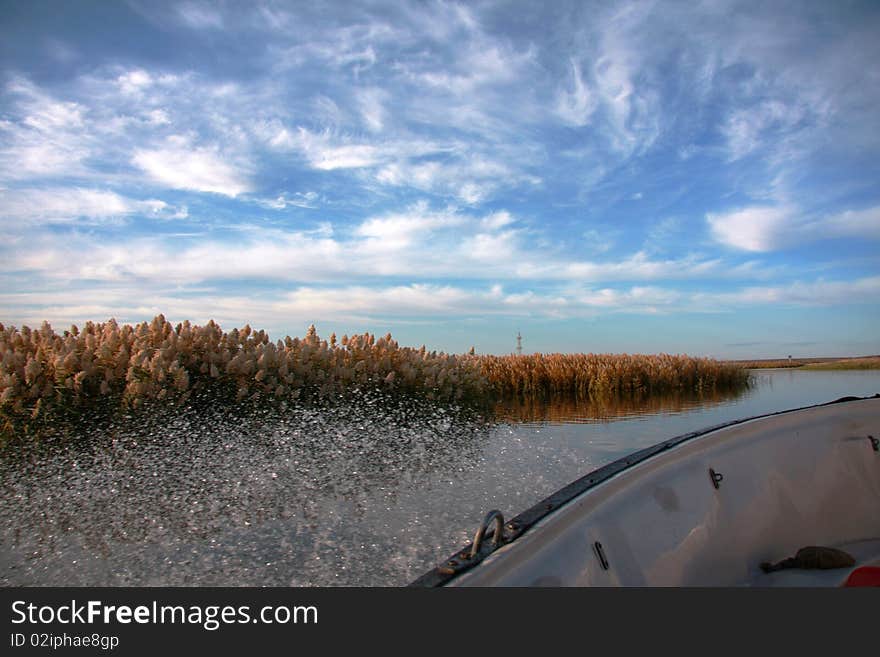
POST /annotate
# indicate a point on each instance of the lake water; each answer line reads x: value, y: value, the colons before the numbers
x: 368, y: 494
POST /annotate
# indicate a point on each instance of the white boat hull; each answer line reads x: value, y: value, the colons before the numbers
x: 801, y: 478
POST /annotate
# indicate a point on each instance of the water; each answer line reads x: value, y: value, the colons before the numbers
x: 368, y: 494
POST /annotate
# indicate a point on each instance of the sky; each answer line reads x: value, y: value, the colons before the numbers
x: 680, y: 177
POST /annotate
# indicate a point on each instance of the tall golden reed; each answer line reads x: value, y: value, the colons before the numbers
x: 158, y: 361
x: 583, y: 375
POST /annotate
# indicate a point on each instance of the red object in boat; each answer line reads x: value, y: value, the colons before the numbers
x: 864, y: 576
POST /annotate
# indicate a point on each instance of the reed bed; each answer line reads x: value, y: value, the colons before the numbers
x: 129, y: 365
x: 545, y: 376
x: 156, y: 360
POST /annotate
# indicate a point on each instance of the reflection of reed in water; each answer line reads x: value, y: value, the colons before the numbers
x: 606, y: 408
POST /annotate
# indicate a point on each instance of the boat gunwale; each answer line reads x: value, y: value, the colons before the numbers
x: 461, y: 560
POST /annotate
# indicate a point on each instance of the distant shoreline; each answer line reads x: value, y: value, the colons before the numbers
x: 816, y: 363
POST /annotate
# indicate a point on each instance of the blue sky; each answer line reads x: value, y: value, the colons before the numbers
x: 695, y: 177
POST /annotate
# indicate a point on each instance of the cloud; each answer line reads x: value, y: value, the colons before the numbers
x: 813, y: 293
x: 355, y: 46
x: 134, y: 81
x: 497, y: 220
x: 854, y: 223
x: 630, y: 109
x: 638, y: 266
x: 360, y: 303
x: 300, y: 305
x: 326, y: 153
x: 758, y: 228
x: 418, y: 221
x: 115, y: 121
x: 279, y: 309
x: 418, y: 243
x: 637, y: 299
x: 200, y: 16
x: 444, y: 168
x: 371, y: 103
x: 299, y: 200
x: 470, y: 178
x: 180, y: 165
x: 62, y: 205
x: 770, y: 228
x: 484, y: 62
x: 575, y: 104
x: 749, y: 128
x: 45, y: 137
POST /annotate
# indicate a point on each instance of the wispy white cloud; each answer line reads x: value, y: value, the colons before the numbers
x: 351, y: 47
x: 445, y: 168
x: 62, y: 205
x: 630, y: 110
x: 371, y: 103
x: 200, y: 15
x: 470, y: 178
x: 497, y: 220
x: 361, y: 303
x: 747, y: 129
x: 864, y: 224
x: 298, y: 199
x: 799, y: 293
x: 770, y: 228
x: 116, y: 121
x: 575, y: 103
x: 486, y: 63
x: 402, y: 229
x: 179, y: 164
x: 47, y: 139
x: 326, y: 153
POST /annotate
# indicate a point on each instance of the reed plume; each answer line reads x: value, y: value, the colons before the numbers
x: 133, y: 364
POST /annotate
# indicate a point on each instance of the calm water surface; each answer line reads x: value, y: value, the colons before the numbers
x: 368, y: 494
